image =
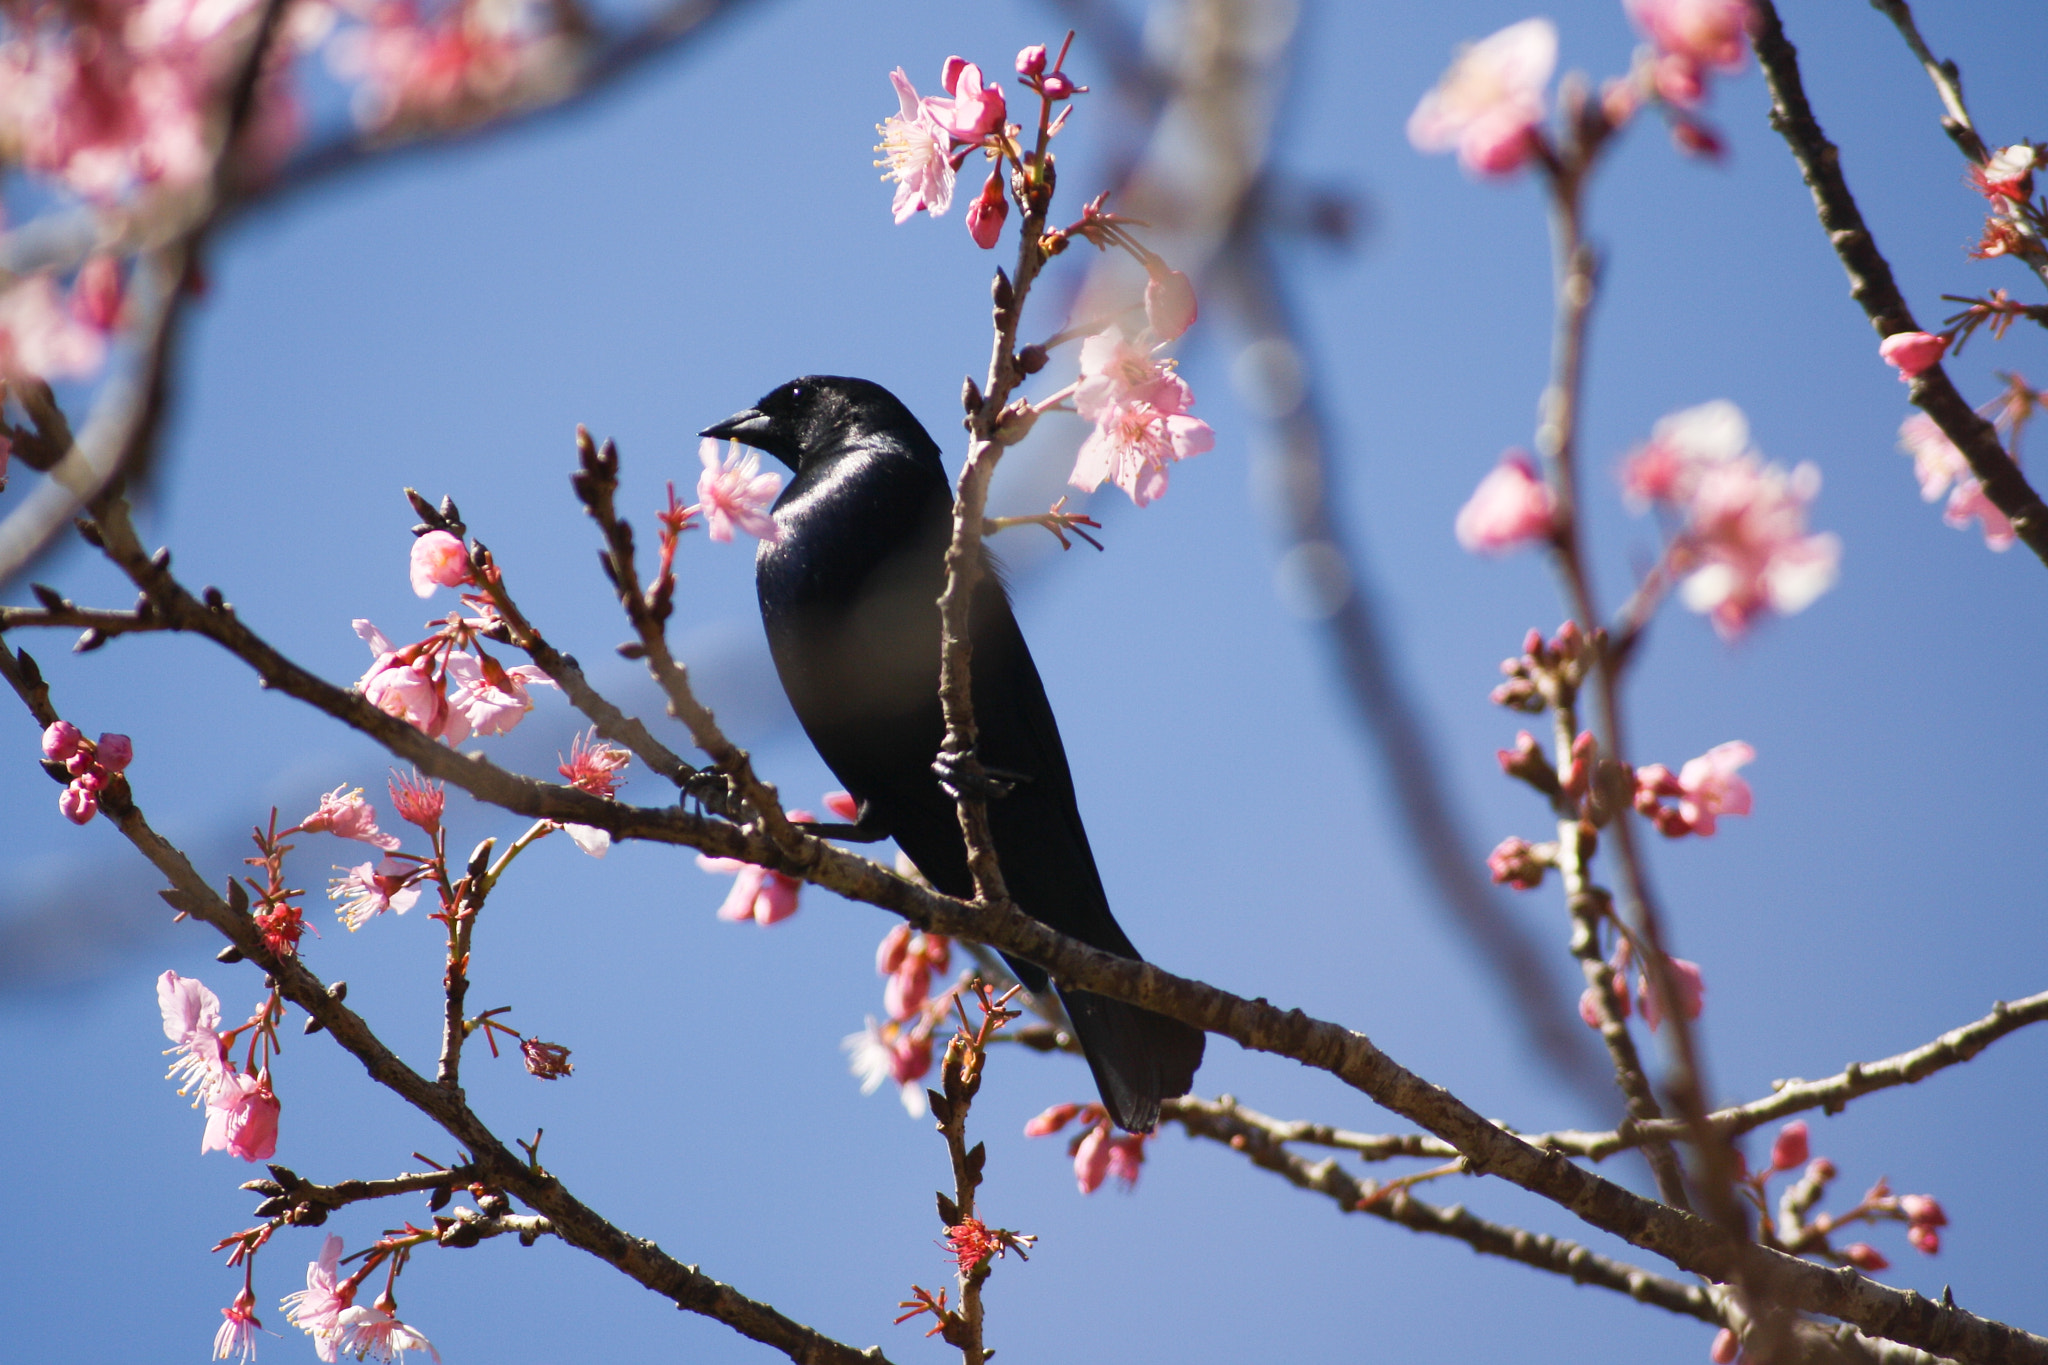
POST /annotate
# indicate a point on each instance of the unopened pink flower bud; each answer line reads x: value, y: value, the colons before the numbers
x: 80, y: 762
x: 1923, y: 1209
x: 1059, y: 86
x: 116, y: 752
x: 895, y: 944
x: 1696, y: 139
x: 1091, y: 1159
x: 1686, y: 980
x: 1518, y: 863
x: 1170, y: 307
x: 843, y: 805
x: 1725, y: 1349
x: 909, y: 987
x: 1031, y: 61
x: 1532, y: 643
x: 1865, y: 1257
x: 986, y: 214
x: 1820, y: 1171
x: 1060, y: 1115
x: 60, y: 741
x: 78, y: 804
x: 1924, y: 1238
x: 909, y: 1058
x: 1912, y: 352
x: 93, y: 779
x: 1790, y: 1149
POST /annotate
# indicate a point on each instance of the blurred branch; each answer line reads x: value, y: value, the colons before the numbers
x: 1871, y: 284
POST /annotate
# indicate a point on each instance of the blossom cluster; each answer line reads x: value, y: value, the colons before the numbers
x: 1099, y: 1151
x: 1491, y: 104
x: 762, y: 894
x: 1138, y: 405
x: 1941, y: 468
x: 899, y: 1049
x: 90, y: 764
x: 241, y: 1107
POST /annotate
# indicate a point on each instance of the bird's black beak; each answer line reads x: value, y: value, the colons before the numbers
x: 749, y: 427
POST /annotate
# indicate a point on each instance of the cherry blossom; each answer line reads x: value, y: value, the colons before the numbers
x: 732, y: 491
x: 241, y: 1117
x: 40, y: 336
x: 1692, y: 37
x: 1924, y: 1218
x: 1938, y: 464
x: 191, y: 1016
x: 1686, y: 980
x: 2007, y: 179
x: 1511, y: 507
x: 491, y: 698
x: 447, y: 70
x: 1489, y: 104
x: 908, y: 958
x: 346, y: 815
x: 1681, y: 448
x: 371, y: 889
x: 1709, y: 787
x: 918, y: 152
x: 758, y: 893
x: 317, y: 1308
x: 61, y: 740
x: 1139, y: 407
x: 375, y: 1333
x: 975, y: 109
x: 1913, y: 353
x: 417, y: 800
x: 402, y: 683
x: 237, y: 1335
x: 1746, y: 547
x: 438, y: 561
x: 891, y: 1053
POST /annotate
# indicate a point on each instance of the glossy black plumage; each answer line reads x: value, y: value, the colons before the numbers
x: 849, y: 597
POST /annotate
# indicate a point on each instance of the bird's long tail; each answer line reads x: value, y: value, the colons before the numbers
x: 1139, y: 1058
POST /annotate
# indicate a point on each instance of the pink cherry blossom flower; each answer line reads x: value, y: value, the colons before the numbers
x: 1490, y: 102
x: 1692, y: 37
x: 1790, y: 1148
x: 438, y: 561
x: 757, y: 894
x: 39, y: 337
x: 490, y: 698
x: 316, y: 1309
x: 1691, y: 988
x: 1681, y: 448
x: 885, y: 1053
x: 1746, y: 547
x: 375, y: 1333
x: 1708, y: 786
x: 1511, y: 507
x: 346, y: 815
x: 1139, y: 407
x: 1170, y: 307
x: 371, y: 889
x: 918, y: 153
x: 237, y: 1335
x: 974, y: 111
x: 733, y: 492
x: 1938, y: 463
x: 191, y: 1016
x: 407, y: 688
x: 241, y: 1118
x: 1913, y: 353
x: 1091, y: 1158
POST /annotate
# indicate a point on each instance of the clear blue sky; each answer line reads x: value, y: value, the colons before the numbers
x: 653, y: 262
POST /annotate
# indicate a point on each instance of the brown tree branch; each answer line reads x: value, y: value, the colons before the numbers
x: 1871, y: 284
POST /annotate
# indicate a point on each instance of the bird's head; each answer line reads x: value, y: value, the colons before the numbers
x: 816, y: 415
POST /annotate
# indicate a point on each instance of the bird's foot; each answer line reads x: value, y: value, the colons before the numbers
x: 962, y: 777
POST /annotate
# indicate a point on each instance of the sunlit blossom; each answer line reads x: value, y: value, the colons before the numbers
x: 241, y: 1118
x: 372, y: 888
x: 237, y: 1334
x: 917, y: 152
x: 1938, y: 465
x: 1490, y: 102
x: 1511, y: 507
x: 733, y: 492
x: 345, y: 814
x: 316, y: 1309
x: 191, y: 1015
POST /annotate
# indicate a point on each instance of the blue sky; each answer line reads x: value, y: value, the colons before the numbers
x: 661, y: 257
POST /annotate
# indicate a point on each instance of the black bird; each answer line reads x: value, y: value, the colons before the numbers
x: 849, y: 596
